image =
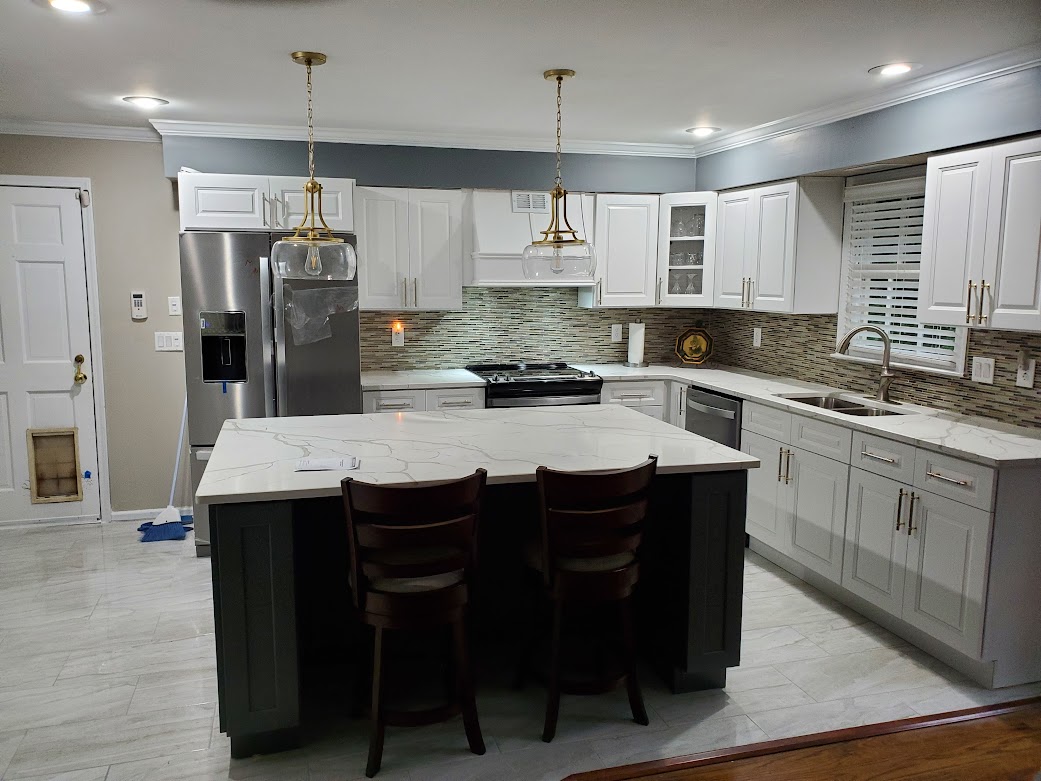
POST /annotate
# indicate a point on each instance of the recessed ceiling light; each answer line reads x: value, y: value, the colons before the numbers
x: 74, y: 7
x: 894, y: 69
x: 145, y: 101
x: 702, y: 131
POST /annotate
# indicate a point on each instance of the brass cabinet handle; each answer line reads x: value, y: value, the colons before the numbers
x: 968, y: 303
x: 869, y: 454
x: 899, y: 509
x: 780, y: 457
x: 982, y: 317
x: 910, y: 514
x: 751, y: 293
x: 946, y: 479
x: 787, y: 466
x: 79, y: 377
x: 599, y: 292
x: 415, y: 291
x: 404, y: 292
x: 744, y: 291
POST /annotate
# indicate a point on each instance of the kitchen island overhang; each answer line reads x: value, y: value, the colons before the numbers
x: 279, y: 536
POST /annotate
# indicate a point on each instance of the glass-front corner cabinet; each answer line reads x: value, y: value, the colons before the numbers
x: 686, y: 249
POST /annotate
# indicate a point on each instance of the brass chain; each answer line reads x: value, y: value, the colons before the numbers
x: 310, y: 125
x: 560, y: 81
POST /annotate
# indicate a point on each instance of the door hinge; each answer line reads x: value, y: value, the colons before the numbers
x: 84, y: 198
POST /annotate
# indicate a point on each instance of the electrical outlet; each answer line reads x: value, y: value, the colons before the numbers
x: 757, y: 337
x: 173, y: 305
x: 397, y: 335
x: 616, y: 332
x: 1025, y: 376
x: 983, y: 370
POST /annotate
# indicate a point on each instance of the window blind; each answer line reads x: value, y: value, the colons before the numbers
x: 882, y: 253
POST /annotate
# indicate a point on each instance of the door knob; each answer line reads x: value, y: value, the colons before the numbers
x: 79, y: 377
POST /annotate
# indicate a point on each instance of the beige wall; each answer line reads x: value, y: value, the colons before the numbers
x: 135, y: 223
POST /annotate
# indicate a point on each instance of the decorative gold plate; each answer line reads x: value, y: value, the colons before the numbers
x: 694, y: 346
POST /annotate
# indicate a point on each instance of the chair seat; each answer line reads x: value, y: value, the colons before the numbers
x: 533, y: 558
x: 416, y: 585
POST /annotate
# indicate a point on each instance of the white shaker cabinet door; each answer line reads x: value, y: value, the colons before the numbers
x: 383, y: 254
x: 765, y: 520
x: 947, y: 553
x: 816, y: 506
x: 626, y: 243
x: 1012, y: 261
x: 772, y: 266
x: 735, y: 231
x: 436, y: 248
x: 223, y: 202
x: 876, y: 540
x: 953, y: 237
x: 289, y: 202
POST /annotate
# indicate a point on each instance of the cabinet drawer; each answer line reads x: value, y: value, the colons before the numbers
x: 883, y: 457
x: 455, y: 398
x: 658, y: 413
x: 394, y: 401
x: 770, y: 422
x: 824, y: 439
x: 633, y: 393
x: 960, y: 480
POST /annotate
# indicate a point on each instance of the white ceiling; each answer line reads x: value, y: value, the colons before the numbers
x: 646, y: 70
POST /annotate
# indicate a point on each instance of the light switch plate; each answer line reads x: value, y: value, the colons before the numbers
x: 983, y: 370
x: 173, y: 304
x: 757, y: 337
x: 616, y: 332
x: 169, y: 342
x: 1025, y: 377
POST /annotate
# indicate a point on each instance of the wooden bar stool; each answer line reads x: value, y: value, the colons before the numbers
x: 412, y: 551
x: 588, y: 553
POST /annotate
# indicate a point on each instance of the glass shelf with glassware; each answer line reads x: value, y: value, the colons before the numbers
x: 686, y: 252
x: 687, y: 222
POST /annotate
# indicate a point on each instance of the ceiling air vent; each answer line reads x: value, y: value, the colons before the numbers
x: 530, y: 202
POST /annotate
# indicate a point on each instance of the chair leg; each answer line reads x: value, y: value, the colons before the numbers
x: 465, y: 689
x: 549, y: 729
x: 376, y: 735
x: 632, y: 683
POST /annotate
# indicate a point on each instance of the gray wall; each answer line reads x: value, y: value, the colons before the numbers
x: 411, y: 166
x: 996, y: 108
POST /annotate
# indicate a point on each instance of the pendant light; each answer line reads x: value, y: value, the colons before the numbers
x: 560, y: 255
x: 312, y: 252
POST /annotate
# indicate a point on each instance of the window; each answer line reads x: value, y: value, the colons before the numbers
x: 881, y: 255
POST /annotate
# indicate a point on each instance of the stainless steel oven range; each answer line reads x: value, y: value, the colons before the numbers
x: 537, y: 384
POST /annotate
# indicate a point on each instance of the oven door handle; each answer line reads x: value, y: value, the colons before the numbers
x: 544, y: 401
x: 714, y: 411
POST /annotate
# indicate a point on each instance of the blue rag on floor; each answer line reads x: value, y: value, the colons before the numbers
x: 164, y: 531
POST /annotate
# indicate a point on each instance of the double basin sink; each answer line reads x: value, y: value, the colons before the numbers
x: 840, y: 403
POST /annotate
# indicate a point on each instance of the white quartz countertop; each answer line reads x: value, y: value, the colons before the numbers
x: 419, y: 378
x: 254, y: 459
x: 977, y: 439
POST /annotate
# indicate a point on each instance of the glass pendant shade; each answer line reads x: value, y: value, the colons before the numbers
x: 315, y: 259
x: 564, y: 263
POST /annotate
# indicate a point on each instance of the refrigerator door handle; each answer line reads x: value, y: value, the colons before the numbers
x: 281, y: 383
x: 265, y: 329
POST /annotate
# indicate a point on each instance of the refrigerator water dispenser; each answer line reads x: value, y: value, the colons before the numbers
x: 223, y: 346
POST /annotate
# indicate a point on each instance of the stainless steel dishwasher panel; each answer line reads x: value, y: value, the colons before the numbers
x: 714, y: 417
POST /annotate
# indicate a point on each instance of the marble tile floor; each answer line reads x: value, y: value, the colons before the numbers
x: 107, y: 674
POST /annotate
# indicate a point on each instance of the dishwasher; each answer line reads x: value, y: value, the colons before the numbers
x: 714, y: 416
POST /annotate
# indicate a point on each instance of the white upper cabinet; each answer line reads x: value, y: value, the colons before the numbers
x: 409, y: 248
x: 686, y: 249
x: 626, y: 243
x: 957, y: 187
x: 981, y: 245
x: 1012, y: 259
x: 288, y: 202
x: 779, y: 247
x: 232, y: 202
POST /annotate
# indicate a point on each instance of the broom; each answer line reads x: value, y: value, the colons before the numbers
x: 171, y: 514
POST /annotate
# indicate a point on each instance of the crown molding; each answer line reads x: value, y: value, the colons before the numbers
x: 409, y: 138
x: 959, y: 76
x: 17, y: 127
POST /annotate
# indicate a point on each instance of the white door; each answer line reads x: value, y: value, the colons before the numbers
x: 435, y: 230
x: 383, y: 263
x: 876, y: 539
x: 1012, y: 260
x: 686, y: 249
x: 816, y: 505
x: 947, y: 553
x: 765, y: 520
x: 223, y: 202
x: 772, y: 267
x: 288, y: 202
x: 43, y: 327
x: 735, y: 230
x: 953, y: 234
x: 627, y: 249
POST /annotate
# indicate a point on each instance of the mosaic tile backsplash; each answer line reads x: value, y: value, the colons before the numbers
x: 539, y: 324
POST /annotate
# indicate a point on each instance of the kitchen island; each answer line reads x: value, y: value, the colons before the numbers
x: 281, y: 598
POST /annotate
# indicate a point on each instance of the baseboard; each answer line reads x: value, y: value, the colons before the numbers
x: 84, y: 520
x: 144, y: 515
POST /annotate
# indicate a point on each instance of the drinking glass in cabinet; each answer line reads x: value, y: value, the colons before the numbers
x: 685, y: 282
x: 697, y: 225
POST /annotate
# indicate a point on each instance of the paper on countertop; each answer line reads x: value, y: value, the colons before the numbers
x: 325, y: 464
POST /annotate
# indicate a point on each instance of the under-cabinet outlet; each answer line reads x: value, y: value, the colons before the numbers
x: 397, y: 335
x: 616, y: 332
x: 757, y: 337
x: 983, y: 370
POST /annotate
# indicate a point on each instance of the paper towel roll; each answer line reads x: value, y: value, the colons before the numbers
x: 636, y: 336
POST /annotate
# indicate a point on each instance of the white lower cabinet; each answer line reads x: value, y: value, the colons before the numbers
x: 815, y: 489
x: 876, y: 543
x: 765, y: 519
x: 455, y: 398
x: 394, y: 401
x: 676, y: 414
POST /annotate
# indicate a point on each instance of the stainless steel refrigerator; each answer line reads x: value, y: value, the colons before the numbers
x: 258, y: 344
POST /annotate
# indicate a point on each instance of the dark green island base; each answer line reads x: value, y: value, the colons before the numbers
x: 282, y: 603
